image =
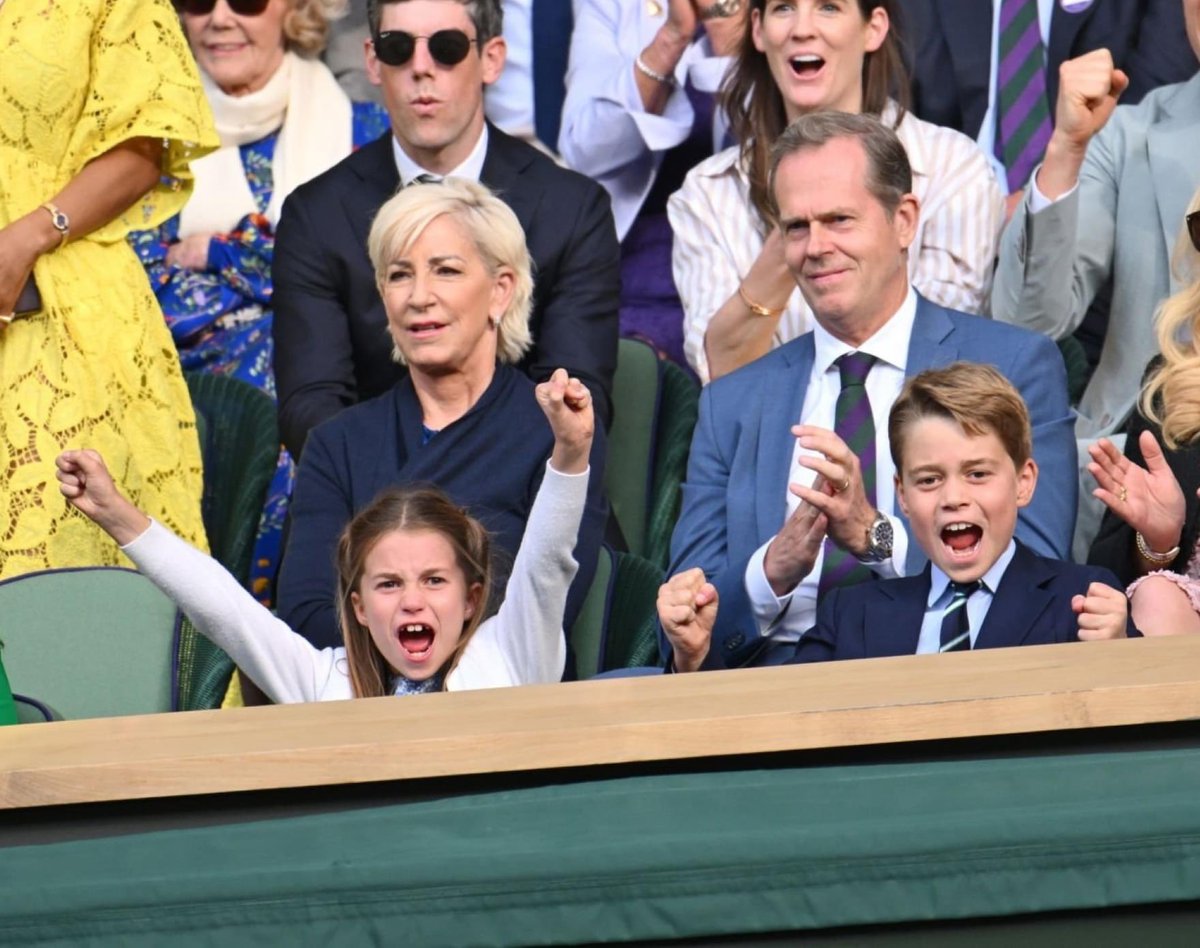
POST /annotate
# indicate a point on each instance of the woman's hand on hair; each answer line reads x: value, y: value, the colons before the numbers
x: 687, y: 609
x: 568, y: 407
x: 86, y: 483
x: 1148, y: 498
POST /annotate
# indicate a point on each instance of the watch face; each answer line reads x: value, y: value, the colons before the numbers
x: 882, y: 537
x: 60, y: 221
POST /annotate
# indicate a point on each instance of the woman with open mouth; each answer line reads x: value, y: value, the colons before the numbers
x: 413, y: 585
x: 796, y: 57
x: 454, y: 272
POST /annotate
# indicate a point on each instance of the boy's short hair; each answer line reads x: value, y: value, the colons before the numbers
x: 975, y: 396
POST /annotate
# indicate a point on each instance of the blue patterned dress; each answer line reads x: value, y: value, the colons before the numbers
x: 220, y: 317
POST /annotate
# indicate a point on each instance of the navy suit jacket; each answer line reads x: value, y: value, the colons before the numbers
x: 874, y: 620
x: 952, y: 42
x: 332, y: 348
x: 734, y: 498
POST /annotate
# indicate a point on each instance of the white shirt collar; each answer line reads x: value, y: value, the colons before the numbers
x: 889, y: 344
x: 939, y: 581
x: 471, y: 168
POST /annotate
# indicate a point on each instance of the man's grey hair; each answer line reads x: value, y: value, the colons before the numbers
x: 486, y: 15
x: 889, y: 175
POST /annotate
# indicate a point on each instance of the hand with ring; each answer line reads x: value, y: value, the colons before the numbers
x: 839, y: 493
x: 1148, y: 498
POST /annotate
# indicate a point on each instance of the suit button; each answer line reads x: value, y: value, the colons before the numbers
x: 736, y: 640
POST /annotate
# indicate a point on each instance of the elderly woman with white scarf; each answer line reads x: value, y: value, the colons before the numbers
x: 282, y: 119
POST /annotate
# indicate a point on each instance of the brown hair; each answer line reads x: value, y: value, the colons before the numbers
x: 975, y: 396
x: 487, y: 16
x: 306, y: 25
x: 405, y: 508
x: 754, y: 106
x: 889, y: 174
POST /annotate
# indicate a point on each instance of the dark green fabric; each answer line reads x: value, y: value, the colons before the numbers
x: 587, y: 632
x: 239, y: 441
x: 640, y: 858
x: 1078, y: 372
x: 629, y: 465
x: 8, y: 710
x: 679, y: 405
x: 631, y: 632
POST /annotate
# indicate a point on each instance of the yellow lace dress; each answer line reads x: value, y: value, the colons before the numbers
x: 96, y: 368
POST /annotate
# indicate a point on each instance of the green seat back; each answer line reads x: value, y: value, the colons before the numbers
x: 1075, y: 359
x: 631, y: 632
x: 679, y: 404
x: 8, y: 710
x: 629, y: 466
x: 90, y: 642
x: 587, y: 633
x: 239, y: 441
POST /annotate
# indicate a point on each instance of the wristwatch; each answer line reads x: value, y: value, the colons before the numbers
x: 879, y: 540
x: 61, y: 222
x: 720, y: 9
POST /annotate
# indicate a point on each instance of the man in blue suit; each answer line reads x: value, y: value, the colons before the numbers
x: 961, y: 443
x: 843, y: 187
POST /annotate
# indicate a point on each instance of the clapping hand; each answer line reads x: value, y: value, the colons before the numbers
x: 568, y: 407
x: 687, y: 609
x: 1148, y: 498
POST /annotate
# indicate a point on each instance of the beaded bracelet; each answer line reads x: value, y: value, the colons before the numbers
x: 1153, y: 556
x: 652, y: 73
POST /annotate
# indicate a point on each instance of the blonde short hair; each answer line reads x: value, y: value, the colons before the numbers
x: 306, y: 26
x: 492, y: 227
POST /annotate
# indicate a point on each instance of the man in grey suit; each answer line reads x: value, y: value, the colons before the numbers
x: 1106, y: 204
x: 788, y: 490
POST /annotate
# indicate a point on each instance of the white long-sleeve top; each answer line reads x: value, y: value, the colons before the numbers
x: 718, y: 234
x: 607, y: 134
x: 522, y: 644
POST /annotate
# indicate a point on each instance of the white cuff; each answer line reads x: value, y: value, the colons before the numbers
x: 1039, y: 201
x: 766, y: 606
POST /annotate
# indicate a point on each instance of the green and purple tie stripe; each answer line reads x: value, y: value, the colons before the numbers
x: 956, y: 625
x: 1023, y: 113
x: 854, y: 424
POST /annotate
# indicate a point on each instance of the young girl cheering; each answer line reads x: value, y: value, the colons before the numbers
x: 413, y: 580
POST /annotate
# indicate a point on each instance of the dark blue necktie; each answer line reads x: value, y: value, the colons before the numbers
x: 551, y: 43
x: 956, y: 625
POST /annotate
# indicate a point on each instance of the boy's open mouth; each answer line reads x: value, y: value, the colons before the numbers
x: 961, y: 537
x: 416, y: 639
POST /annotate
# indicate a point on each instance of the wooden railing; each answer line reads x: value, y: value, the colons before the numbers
x: 880, y: 701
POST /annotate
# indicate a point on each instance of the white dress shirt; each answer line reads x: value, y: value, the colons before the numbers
x: 471, y: 168
x: 977, y: 605
x: 987, y: 131
x: 607, y: 134
x: 786, y: 618
x: 718, y: 235
x: 509, y: 100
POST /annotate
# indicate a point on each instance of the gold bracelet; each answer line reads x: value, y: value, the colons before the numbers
x: 757, y: 308
x: 1153, y: 556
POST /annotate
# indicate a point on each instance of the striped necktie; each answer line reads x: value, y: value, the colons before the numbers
x: 1023, y: 114
x: 423, y: 178
x: 956, y: 625
x: 854, y: 424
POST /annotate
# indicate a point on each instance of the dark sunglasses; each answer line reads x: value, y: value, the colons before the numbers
x: 1193, y: 225
x: 204, y: 7
x: 448, y: 47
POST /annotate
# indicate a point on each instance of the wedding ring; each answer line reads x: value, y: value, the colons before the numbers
x: 1123, y: 494
x: 845, y: 486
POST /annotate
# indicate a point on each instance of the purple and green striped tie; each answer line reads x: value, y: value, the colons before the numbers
x: 1023, y: 113
x: 853, y: 423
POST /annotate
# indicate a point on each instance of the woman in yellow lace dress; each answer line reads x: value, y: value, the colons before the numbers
x: 101, y: 111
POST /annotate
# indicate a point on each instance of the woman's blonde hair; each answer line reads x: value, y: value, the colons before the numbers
x: 492, y: 227
x: 306, y: 26
x: 1171, y: 396
x: 410, y: 509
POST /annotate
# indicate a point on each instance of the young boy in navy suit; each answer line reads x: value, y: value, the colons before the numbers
x: 960, y: 439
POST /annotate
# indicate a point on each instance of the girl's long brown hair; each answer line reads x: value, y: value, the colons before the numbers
x: 405, y: 508
x: 754, y: 107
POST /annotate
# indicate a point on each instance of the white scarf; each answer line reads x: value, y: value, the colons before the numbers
x: 316, y: 134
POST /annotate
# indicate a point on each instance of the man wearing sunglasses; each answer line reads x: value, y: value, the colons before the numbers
x: 1106, y: 205
x: 432, y: 60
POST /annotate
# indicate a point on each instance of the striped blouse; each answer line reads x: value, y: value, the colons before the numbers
x: 718, y: 235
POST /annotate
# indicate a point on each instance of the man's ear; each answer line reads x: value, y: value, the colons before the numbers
x: 905, y: 218
x: 492, y: 55
x: 372, y: 62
